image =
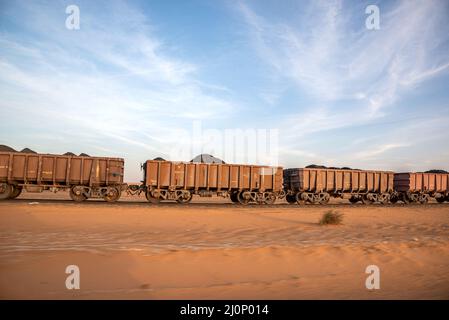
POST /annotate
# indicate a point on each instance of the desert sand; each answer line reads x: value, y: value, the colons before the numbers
x: 135, y: 250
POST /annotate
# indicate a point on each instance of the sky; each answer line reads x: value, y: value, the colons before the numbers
x: 305, y: 81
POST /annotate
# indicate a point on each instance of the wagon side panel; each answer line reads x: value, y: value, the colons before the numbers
x: 151, y: 174
x: 225, y: 176
x: 18, y: 167
x: 212, y: 176
x: 403, y: 182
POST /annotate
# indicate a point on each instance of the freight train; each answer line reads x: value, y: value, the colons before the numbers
x: 101, y: 177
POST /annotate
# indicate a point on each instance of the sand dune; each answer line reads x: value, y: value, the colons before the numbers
x: 164, y: 252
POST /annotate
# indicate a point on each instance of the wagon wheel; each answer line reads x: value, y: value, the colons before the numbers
x: 233, y: 197
x: 394, y: 199
x: 384, y: 198
x: 314, y: 198
x: 299, y: 199
x: 112, y: 195
x: 5, y: 191
x: 311, y: 198
x: 440, y: 199
x: 270, y: 198
x: 405, y: 198
x: 186, y: 197
x: 242, y: 200
x: 365, y: 200
x: 323, y: 198
x: 77, y: 193
x: 353, y: 199
x: 150, y: 198
x: 260, y: 198
x: 16, y: 191
x: 423, y: 199
x: 290, y: 198
x: 413, y: 197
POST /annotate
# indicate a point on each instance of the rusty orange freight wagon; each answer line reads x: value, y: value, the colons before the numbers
x: 167, y: 180
x: 420, y: 187
x: 85, y: 177
x: 317, y: 185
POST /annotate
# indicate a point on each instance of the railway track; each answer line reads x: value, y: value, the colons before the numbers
x: 213, y: 205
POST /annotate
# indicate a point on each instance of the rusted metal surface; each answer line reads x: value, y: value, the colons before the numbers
x: 421, y: 182
x: 58, y: 170
x: 167, y: 180
x: 318, y: 185
x: 37, y: 172
x: 419, y: 187
x: 334, y: 180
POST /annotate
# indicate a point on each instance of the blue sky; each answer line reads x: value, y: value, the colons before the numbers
x: 137, y: 76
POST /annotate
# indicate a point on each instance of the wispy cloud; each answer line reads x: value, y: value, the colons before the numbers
x: 112, y: 78
x: 352, y: 78
x: 378, y: 150
x: 332, y: 59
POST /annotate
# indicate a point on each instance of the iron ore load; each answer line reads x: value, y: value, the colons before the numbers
x: 85, y: 177
x: 318, y: 185
x: 168, y: 180
x: 420, y: 187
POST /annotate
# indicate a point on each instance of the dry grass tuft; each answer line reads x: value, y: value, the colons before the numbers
x: 331, y: 217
